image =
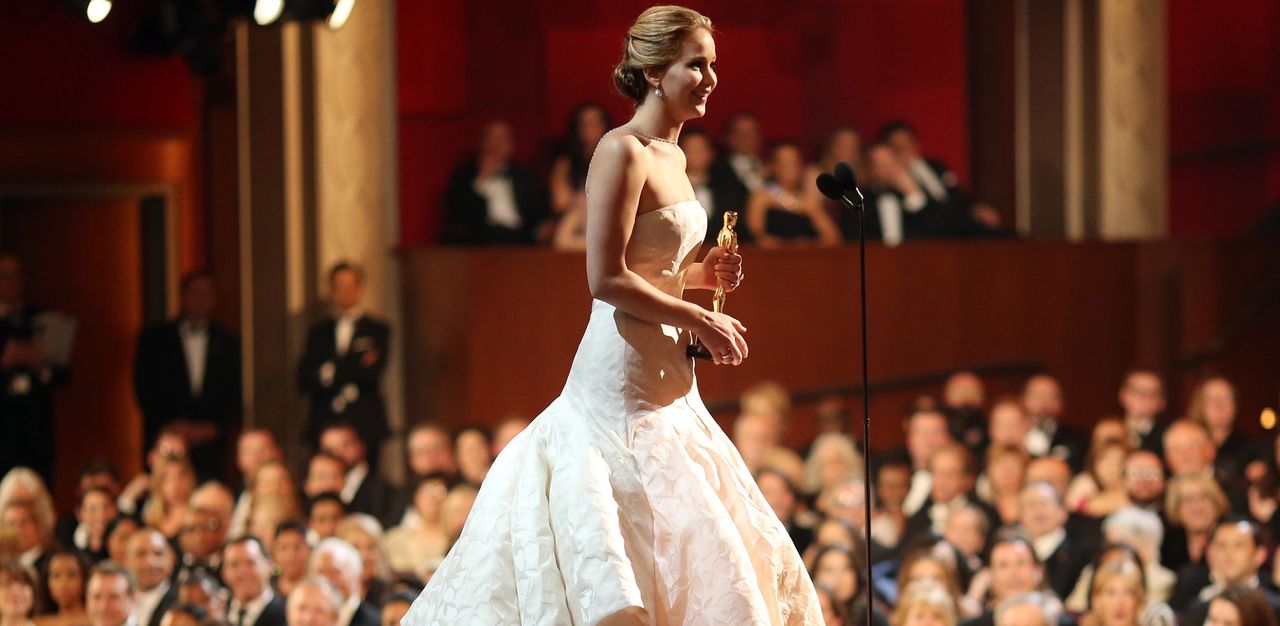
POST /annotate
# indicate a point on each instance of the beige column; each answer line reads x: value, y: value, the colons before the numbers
x: 1132, y: 93
x: 356, y: 183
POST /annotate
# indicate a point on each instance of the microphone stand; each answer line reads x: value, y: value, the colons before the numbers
x: 856, y: 203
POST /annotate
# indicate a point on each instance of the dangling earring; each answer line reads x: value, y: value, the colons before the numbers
x: 657, y: 91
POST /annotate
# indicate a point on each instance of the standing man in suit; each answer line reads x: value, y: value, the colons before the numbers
x: 341, y: 369
x: 27, y: 379
x: 246, y: 571
x: 186, y: 376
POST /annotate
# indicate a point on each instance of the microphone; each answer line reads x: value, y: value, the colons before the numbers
x: 842, y: 186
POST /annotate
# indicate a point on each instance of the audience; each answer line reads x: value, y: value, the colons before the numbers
x: 490, y: 199
x: 783, y: 211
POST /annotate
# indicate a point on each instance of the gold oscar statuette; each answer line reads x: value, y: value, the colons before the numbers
x: 727, y: 240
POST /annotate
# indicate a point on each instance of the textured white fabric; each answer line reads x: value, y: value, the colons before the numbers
x: 624, y: 492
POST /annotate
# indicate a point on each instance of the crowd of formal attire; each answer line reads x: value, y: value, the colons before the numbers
x: 494, y: 200
x: 995, y: 511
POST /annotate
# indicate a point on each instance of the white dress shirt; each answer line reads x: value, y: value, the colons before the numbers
x: 500, y: 200
x: 252, y: 609
x: 925, y: 177
x: 195, y: 347
x: 349, y: 609
x: 1047, y: 544
x: 345, y: 330
x: 921, y: 487
x: 148, y: 601
x: 355, y: 478
x: 747, y: 168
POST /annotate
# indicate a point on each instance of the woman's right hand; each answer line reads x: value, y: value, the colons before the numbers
x: 722, y: 335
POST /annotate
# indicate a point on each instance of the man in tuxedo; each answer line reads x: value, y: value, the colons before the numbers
x: 717, y: 189
x: 927, y: 432
x: 490, y: 199
x: 1234, y: 555
x: 1013, y: 570
x: 1042, y: 398
x: 27, y: 379
x: 314, y: 602
x: 111, y: 595
x: 150, y: 559
x: 1043, y: 516
x: 339, y: 562
x: 254, y: 448
x: 964, y: 399
x: 363, y: 489
x: 902, y: 209
x: 204, y: 530
x: 186, y: 376
x: 1142, y: 397
x: 937, y: 180
x: 738, y: 170
x: 246, y: 571
x: 341, y: 368
x: 951, y: 469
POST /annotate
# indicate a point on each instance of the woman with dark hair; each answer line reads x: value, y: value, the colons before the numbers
x: 1238, y: 605
x: 784, y: 211
x: 623, y: 502
x: 64, y: 577
x: 587, y: 124
x: 842, y: 571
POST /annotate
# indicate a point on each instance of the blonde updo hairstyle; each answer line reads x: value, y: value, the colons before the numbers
x: 654, y: 41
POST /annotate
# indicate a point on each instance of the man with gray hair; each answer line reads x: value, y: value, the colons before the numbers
x: 111, y: 594
x: 339, y: 562
x: 314, y: 602
x: 1029, y: 609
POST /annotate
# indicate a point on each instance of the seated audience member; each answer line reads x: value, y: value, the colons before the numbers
x: 172, y: 483
x: 1142, y: 398
x: 964, y: 401
x: 1008, y: 424
x: 1044, y: 518
x: 1117, y: 597
x: 363, y: 489
x: 290, y: 553
x: 395, y: 608
x: 269, y: 511
x: 1029, y: 609
x: 168, y: 446
x: 933, y: 563
x: 739, y: 164
x: 952, y: 470
x: 1144, y: 482
x: 118, y: 533
x: 568, y: 180
x: 938, y: 181
x: 1151, y: 611
x: 1012, y: 570
x: 833, y: 458
x: 1234, y: 557
x: 186, y: 378
x: 326, y: 473
x: 421, y: 540
x: 899, y: 209
x: 782, y: 211
x: 1143, y: 532
x: 842, y: 144
x: 23, y: 485
x: 1099, y: 491
x: 843, y: 571
x: 151, y: 563
x: 782, y: 498
x: 34, y: 541
x: 505, y: 431
x: 364, y: 533
x: 184, y: 615
x: 63, y: 580
x: 314, y: 602
x: 17, y: 594
x: 112, y: 596
x: 715, y: 189
x: 1042, y: 398
x: 205, y: 529
x: 925, y: 603
x: 756, y: 437
x: 96, y: 474
x: 456, y: 508
x: 246, y: 571
x: 967, y: 530
x: 324, y: 514
x: 926, y: 433
x: 1188, y: 449
x: 197, y: 588
x: 255, y: 448
x: 1193, y: 506
x: 1237, y: 457
x: 472, y: 449
x: 490, y: 199
x: 430, y: 451
x: 96, y: 509
x: 1002, y: 480
x: 846, y: 502
x: 340, y: 563
x: 893, y: 482
x: 1240, y: 605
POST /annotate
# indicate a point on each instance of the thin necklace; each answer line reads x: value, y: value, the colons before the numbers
x: 648, y: 136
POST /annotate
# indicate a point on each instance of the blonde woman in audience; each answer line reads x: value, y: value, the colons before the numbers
x: 421, y: 541
x: 925, y: 603
x: 32, y: 542
x: 273, y: 479
x: 268, y: 512
x: 172, y: 482
x: 1118, y: 598
x: 17, y: 595
x: 833, y: 458
x: 1152, y: 611
x: 934, y: 564
x: 64, y: 577
x: 364, y: 533
x: 1002, y: 480
x: 21, y: 483
x: 1100, y: 490
x: 1193, y: 503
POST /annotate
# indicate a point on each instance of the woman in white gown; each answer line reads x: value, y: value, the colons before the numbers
x: 624, y: 502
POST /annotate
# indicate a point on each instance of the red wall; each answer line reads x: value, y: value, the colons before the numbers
x: 1224, y: 115
x: 801, y: 70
